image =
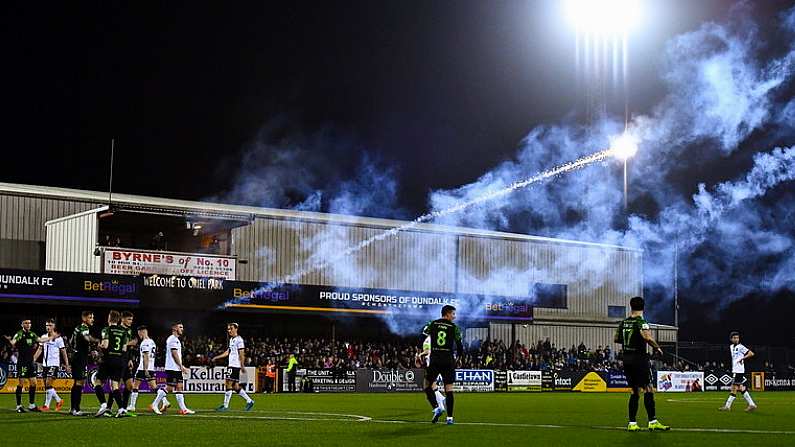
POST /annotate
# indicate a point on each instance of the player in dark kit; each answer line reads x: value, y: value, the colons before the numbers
x: 445, y: 336
x: 633, y: 334
x: 81, y: 346
x: 114, y: 343
x: 28, y: 348
x: 130, y: 359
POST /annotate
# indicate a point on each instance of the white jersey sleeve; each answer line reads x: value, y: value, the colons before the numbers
x: 738, y: 352
x: 173, y: 344
x: 235, y: 344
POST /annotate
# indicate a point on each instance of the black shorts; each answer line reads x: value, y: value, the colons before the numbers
x: 111, y: 368
x: 144, y: 376
x: 50, y: 372
x: 26, y: 370
x: 638, y: 372
x: 173, y: 377
x: 79, y: 368
x: 233, y: 374
x: 740, y: 379
x: 129, y: 373
x: 441, y: 366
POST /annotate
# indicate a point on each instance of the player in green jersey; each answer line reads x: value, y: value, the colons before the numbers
x: 127, y: 318
x: 28, y: 348
x: 633, y: 334
x: 445, y: 336
x: 81, y: 347
x: 114, y: 344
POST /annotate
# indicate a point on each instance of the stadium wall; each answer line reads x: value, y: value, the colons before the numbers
x: 428, y: 258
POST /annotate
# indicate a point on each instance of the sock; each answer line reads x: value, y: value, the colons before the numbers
x: 181, y: 401
x: 47, y: 396
x: 730, y: 400
x: 431, y: 398
x: 77, y: 396
x: 161, y: 395
x: 32, y: 395
x: 126, y: 397
x: 227, y: 398
x: 111, y: 398
x: 244, y: 395
x: 648, y: 402
x: 19, y: 395
x: 117, y: 398
x: 100, y: 394
x: 72, y: 398
x: 633, y: 407
x: 133, y: 399
x: 439, y: 398
x: 747, y: 397
x: 56, y: 396
x: 450, y: 402
x: 166, y: 402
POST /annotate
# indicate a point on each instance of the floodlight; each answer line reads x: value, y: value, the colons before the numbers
x: 624, y: 146
x: 604, y: 17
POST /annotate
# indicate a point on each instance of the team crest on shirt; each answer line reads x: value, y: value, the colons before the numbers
x: 3, y: 375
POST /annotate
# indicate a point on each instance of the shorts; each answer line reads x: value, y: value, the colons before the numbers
x: 441, y: 366
x: 79, y: 368
x: 50, y: 372
x: 26, y: 371
x: 173, y: 377
x: 233, y: 374
x: 144, y: 376
x: 638, y: 373
x: 129, y: 373
x: 740, y: 379
x: 111, y: 368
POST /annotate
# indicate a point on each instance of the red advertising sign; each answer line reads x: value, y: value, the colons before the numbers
x: 135, y: 262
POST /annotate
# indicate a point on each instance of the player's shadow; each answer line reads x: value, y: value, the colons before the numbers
x: 403, y: 429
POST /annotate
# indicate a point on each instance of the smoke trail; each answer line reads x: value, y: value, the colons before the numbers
x: 564, y: 168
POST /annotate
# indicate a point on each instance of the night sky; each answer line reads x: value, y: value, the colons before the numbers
x: 441, y: 91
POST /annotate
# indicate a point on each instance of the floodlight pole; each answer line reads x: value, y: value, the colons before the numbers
x: 110, y: 181
x: 676, y: 293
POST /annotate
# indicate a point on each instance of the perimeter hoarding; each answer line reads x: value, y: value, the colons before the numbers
x: 524, y: 381
x: 389, y: 380
x: 324, y: 380
x: 680, y: 382
x: 36, y: 286
x: 327, y: 299
x: 198, y: 380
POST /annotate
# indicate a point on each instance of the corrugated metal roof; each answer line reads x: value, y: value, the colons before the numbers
x: 241, y: 211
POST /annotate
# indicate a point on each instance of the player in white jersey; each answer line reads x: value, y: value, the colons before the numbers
x: 54, y: 350
x: 146, y: 368
x: 237, y: 360
x: 174, y: 370
x: 425, y: 357
x: 739, y: 355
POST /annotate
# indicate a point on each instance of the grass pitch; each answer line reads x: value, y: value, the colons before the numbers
x: 546, y: 419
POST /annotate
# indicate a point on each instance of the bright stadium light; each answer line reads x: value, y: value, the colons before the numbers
x: 603, y: 17
x: 624, y: 146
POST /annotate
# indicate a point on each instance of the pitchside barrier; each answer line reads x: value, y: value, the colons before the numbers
x: 199, y: 380
x: 211, y: 380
